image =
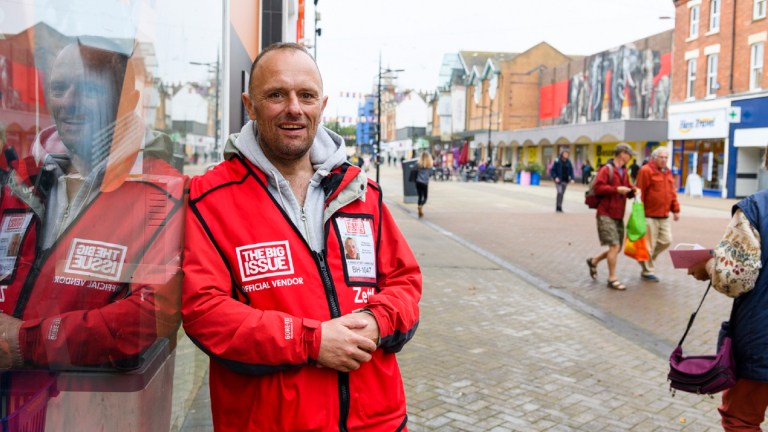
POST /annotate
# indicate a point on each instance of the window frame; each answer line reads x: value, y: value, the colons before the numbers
x: 756, y: 65
x: 712, y: 60
x: 714, y: 16
x: 691, y: 79
x: 758, y: 9
x: 694, y: 17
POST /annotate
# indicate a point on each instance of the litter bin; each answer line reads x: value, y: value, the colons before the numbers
x: 409, y: 188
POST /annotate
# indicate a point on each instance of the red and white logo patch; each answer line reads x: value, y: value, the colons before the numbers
x: 263, y: 260
x: 96, y: 259
x: 354, y: 226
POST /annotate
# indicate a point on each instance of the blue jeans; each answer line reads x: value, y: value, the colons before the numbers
x: 560, y: 192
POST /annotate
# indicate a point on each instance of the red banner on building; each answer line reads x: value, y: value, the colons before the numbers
x: 300, y: 23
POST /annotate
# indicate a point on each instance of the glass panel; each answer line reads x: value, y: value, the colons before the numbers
x: 694, y: 22
x: 712, y: 74
x: 103, y: 103
x: 691, y: 78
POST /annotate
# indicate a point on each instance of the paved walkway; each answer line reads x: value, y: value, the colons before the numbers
x: 515, y: 336
x: 516, y: 226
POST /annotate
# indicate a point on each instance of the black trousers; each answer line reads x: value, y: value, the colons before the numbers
x: 421, y: 189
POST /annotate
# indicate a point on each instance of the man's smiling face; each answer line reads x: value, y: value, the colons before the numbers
x: 286, y: 101
x: 82, y: 93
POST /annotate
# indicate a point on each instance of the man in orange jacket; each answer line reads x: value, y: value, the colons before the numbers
x: 657, y: 190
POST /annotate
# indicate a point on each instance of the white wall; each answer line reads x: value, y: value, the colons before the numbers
x: 458, y: 108
x: 410, y: 112
x: 188, y: 105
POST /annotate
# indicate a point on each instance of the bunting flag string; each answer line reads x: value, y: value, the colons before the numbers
x: 352, y: 95
x: 349, y: 119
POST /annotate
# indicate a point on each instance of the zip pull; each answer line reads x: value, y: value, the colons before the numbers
x: 303, y: 215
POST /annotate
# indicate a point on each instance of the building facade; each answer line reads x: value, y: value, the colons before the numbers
x: 719, y: 94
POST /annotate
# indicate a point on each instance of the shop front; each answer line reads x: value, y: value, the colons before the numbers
x: 589, y: 143
x: 748, y: 137
x: 698, y: 151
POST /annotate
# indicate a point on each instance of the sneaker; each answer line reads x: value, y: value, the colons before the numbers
x: 650, y: 277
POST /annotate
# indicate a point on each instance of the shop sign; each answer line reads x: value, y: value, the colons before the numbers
x: 698, y: 125
x: 734, y: 114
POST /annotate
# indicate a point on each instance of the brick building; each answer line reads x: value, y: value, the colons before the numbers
x: 718, y: 114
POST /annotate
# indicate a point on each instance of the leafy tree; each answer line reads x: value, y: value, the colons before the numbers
x: 346, y: 132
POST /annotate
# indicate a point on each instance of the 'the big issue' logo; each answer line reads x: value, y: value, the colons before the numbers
x: 262, y: 260
x: 96, y: 259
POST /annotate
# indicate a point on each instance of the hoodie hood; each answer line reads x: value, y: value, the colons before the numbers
x: 327, y: 152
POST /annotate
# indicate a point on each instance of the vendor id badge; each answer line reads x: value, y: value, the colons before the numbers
x: 358, y: 251
x: 12, y: 229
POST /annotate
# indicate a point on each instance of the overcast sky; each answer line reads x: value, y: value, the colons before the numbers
x: 415, y: 34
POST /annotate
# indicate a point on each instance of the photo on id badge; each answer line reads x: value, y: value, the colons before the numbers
x: 14, y: 226
x: 356, y: 237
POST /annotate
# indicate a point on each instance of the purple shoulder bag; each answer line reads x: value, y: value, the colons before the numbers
x: 703, y: 374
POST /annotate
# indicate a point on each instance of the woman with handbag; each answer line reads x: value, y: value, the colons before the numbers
x: 738, y: 270
x: 424, y: 167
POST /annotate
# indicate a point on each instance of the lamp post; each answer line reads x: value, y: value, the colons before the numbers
x: 378, y: 115
x: 490, y: 118
x: 216, y: 105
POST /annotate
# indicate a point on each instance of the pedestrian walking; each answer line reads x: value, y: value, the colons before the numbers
x: 613, y: 192
x: 657, y: 190
x: 737, y: 269
x: 424, y: 167
x: 562, y: 173
x: 586, y: 172
x: 299, y: 337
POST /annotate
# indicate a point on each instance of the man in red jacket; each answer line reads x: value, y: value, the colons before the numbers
x: 613, y: 191
x: 93, y: 278
x: 300, y: 338
x: 90, y: 240
x: 657, y: 190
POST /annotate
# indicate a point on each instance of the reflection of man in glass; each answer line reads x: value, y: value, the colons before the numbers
x: 350, y: 249
x: 83, y: 96
x: 96, y: 279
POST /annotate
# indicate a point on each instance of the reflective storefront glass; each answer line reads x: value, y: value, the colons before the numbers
x: 103, y: 106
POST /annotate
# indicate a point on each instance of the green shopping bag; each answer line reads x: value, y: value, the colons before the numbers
x: 636, y: 222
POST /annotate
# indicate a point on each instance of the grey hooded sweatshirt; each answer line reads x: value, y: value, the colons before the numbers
x: 327, y: 152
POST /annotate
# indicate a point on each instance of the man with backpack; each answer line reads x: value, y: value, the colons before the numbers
x: 612, y: 187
